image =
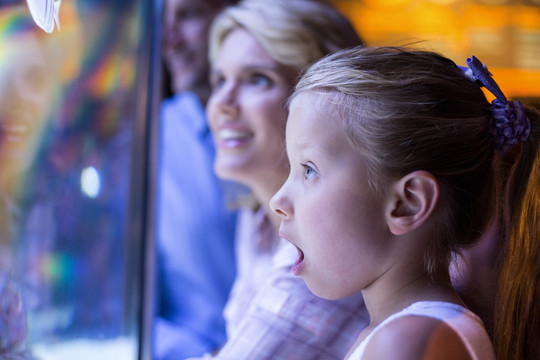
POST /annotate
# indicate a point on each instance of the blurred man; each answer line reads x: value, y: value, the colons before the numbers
x: 195, y: 231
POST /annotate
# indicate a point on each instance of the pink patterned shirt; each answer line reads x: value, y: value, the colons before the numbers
x: 271, y: 314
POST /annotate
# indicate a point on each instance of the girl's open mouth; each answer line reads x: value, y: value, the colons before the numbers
x: 299, y: 263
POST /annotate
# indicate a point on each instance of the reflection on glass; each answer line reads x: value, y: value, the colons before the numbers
x: 27, y: 91
x: 69, y: 271
x: 45, y: 13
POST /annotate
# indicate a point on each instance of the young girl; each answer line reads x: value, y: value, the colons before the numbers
x: 394, y: 159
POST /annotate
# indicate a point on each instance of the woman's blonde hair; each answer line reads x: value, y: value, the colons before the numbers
x: 293, y: 32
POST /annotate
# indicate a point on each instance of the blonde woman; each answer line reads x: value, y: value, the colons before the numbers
x: 258, y: 49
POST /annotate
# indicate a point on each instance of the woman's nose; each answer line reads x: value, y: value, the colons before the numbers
x: 226, y: 99
x: 281, y: 204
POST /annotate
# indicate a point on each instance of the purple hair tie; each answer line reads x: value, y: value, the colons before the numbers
x: 510, y: 123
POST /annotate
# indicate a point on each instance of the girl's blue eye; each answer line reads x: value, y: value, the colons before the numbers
x: 309, y: 172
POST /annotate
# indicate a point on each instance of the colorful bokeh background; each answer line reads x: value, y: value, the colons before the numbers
x: 68, y: 106
x: 504, y: 34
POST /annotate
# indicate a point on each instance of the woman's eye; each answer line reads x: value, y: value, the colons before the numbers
x: 309, y: 172
x: 259, y: 79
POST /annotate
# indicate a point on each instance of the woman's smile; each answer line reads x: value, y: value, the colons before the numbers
x: 231, y: 139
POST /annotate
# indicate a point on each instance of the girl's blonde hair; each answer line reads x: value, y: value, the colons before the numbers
x: 411, y: 110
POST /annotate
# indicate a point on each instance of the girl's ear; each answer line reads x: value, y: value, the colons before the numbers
x: 412, y: 200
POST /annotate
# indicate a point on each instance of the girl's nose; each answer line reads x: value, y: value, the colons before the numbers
x: 281, y: 204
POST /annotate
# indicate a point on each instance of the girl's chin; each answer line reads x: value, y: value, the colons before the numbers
x: 320, y: 292
x: 323, y: 290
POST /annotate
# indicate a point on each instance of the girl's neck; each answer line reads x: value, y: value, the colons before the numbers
x: 397, y: 291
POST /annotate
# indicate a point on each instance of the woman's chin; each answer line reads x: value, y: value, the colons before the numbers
x: 233, y: 170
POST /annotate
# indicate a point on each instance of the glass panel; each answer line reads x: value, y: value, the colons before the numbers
x: 73, y: 111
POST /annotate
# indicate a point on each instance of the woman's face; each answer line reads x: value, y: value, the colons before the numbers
x: 247, y: 112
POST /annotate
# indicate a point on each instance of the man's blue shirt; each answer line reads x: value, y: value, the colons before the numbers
x: 195, y: 235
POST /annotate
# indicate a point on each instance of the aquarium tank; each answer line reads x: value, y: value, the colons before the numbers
x: 77, y: 107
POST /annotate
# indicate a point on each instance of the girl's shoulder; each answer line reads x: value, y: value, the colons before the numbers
x: 428, y: 330
x: 416, y: 337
